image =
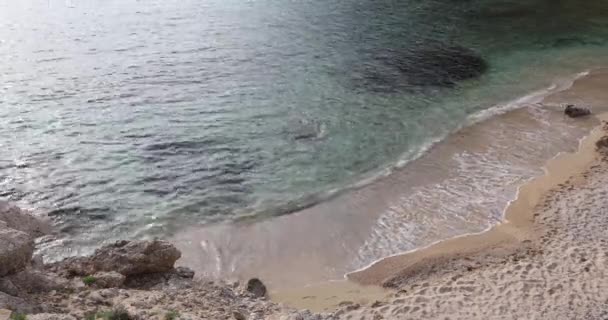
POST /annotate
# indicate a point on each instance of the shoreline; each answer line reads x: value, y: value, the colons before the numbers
x: 513, y: 234
x: 318, y: 244
x: 518, y: 218
x: 556, y: 272
x: 505, y: 237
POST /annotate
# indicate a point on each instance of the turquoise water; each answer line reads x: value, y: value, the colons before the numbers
x: 131, y: 119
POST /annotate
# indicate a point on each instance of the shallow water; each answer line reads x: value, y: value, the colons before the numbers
x: 128, y: 119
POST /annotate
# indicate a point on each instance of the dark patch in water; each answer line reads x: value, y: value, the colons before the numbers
x: 177, y: 145
x: 426, y: 66
x: 574, y: 41
x: 93, y: 213
x: 237, y: 168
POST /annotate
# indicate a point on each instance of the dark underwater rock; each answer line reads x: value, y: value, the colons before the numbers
x: 443, y: 66
x: 422, y: 66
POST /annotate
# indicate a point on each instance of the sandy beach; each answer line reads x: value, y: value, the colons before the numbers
x: 546, y: 260
x: 461, y: 185
x: 303, y: 256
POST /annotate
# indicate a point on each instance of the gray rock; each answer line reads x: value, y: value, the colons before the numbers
x: 17, y: 304
x: 96, y: 298
x: 16, y: 249
x: 7, y: 286
x: 17, y: 219
x: 575, y: 112
x: 128, y: 258
x: 184, y: 272
x: 110, y: 279
x: 237, y: 315
x: 256, y: 287
x: 37, y: 281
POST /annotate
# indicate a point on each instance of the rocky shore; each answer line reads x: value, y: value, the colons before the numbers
x: 123, y: 280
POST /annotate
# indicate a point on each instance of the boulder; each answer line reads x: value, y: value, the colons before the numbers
x: 36, y: 281
x: 7, y: 286
x: 17, y: 219
x: 129, y: 258
x: 110, y: 279
x: 16, y: 249
x: 16, y: 304
x: 256, y: 288
x: 184, y: 272
x: 5, y: 314
x: 575, y: 112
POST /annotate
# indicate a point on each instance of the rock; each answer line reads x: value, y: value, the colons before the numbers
x: 7, y: 286
x: 602, y: 144
x: 96, y: 298
x: 16, y: 304
x: 237, y: 315
x: 36, y: 281
x: 109, y: 293
x: 50, y: 316
x: 16, y: 249
x: 17, y: 219
x: 110, y: 279
x: 5, y: 314
x: 575, y: 112
x: 184, y: 272
x: 128, y: 258
x: 256, y: 287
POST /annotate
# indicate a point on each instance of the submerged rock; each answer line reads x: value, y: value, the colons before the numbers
x: 431, y: 65
x: 443, y: 66
x: 575, y: 112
